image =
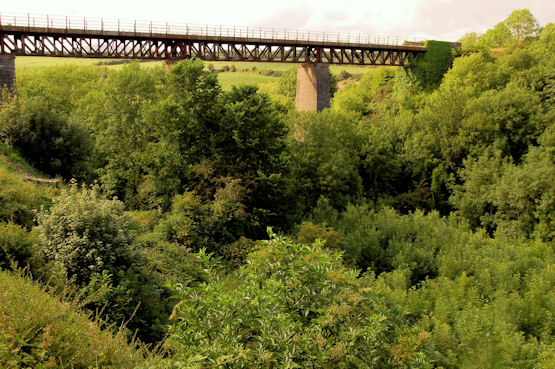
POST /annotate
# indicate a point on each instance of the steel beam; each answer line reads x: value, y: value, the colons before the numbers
x: 36, y: 41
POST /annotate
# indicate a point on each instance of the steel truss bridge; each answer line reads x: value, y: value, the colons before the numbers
x: 26, y: 35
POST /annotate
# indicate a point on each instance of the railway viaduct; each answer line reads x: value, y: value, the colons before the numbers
x: 26, y: 35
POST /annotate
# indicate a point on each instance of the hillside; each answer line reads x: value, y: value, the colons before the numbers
x: 411, y: 225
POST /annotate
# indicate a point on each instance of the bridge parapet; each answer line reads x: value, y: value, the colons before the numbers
x: 72, y: 24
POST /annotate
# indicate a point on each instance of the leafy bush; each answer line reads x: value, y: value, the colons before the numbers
x: 512, y: 199
x: 44, y: 136
x: 385, y: 240
x: 309, y: 232
x: 85, y: 234
x: 170, y: 262
x: 89, y: 239
x: 293, y: 305
x: 18, y: 248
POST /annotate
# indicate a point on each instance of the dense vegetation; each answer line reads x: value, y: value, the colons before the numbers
x: 409, y: 226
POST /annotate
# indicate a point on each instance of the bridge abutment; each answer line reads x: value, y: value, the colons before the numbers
x: 7, y: 71
x: 313, y: 86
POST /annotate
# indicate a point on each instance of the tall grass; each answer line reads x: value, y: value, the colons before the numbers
x: 19, y: 199
x: 40, y: 331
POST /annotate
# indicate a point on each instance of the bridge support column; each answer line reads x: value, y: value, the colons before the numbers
x: 313, y: 86
x: 7, y: 71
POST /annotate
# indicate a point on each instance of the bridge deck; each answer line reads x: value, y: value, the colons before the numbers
x: 34, y: 37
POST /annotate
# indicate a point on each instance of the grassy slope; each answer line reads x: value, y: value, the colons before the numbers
x: 37, y: 330
x: 22, y: 189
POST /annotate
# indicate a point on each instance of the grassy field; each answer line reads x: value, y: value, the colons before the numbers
x: 244, y: 75
x: 282, y: 67
x: 29, y: 63
x: 228, y: 79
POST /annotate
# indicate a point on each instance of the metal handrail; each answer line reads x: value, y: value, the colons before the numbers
x: 253, y: 33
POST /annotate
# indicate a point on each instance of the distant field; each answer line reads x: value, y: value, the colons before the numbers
x: 227, y: 79
x: 353, y: 69
x: 26, y: 63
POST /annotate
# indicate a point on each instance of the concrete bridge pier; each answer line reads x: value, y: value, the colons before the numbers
x: 313, y: 86
x: 7, y: 71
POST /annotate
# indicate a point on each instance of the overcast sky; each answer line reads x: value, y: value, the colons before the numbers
x: 427, y: 19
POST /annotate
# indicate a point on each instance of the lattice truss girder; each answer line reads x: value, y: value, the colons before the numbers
x: 167, y: 49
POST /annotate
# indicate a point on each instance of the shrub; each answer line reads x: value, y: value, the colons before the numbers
x: 45, y: 136
x: 18, y: 248
x: 309, y: 232
x: 85, y: 234
x: 170, y: 262
x: 236, y: 253
x: 343, y: 75
x: 293, y: 305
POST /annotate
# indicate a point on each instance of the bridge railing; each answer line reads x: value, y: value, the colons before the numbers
x: 77, y: 24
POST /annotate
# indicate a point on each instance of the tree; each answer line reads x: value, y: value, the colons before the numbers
x: 118, y: 115
x: 498, y: 36
x: 325, y: 151
x: 522, y: 24
x: 250, y: 146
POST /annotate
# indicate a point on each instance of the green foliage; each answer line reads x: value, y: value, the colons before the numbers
x: 251, y: 147
x: 18, y: 249
x: 484, y: 302
x: 385, y: 240
x: 44, y: 136
x: 39, y: 331
x: 427, y: 71
x: 63, y: 87
x: 519, y: 26
x: 498, y: 36
x: 85, y: 234
x: 288, y: 83
x: 170, y: 262
x: 309, y: 233
x: 18, y: 199
x: 522, y: 24
x: 517, y: 200
x: 325, y: 149
x: 293, y: 305
x: 117, y: 114
x: 366, y: 95
x: 88, y: 238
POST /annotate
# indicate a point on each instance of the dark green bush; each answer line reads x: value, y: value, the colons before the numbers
x: 18, y: 248
x: 44, y: 136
